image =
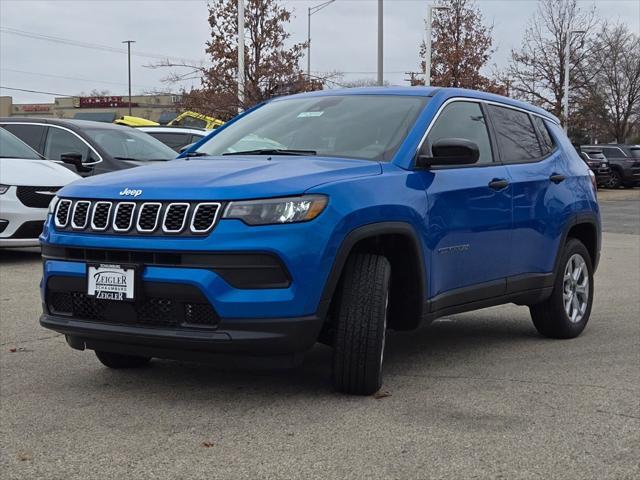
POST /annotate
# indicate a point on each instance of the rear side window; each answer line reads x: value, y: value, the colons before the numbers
x: 547, y: 142
x: 30, y: 134
x: 611, y: 152
x: 463, y: 120
x: 515, y: 134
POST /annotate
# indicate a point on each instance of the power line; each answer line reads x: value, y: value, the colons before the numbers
x: 35, y: 91
x: 92, y: 46
x: 71, y: 78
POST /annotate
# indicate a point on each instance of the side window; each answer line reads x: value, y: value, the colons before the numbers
x: 547, y: 140
x: 61, y: 141
x: 610, y: 152
x: 29, y: 134
x: 515, y: 134
x: 463, y: 120
x: 173, y: 140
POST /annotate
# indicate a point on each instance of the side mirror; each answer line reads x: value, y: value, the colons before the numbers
x: 74, y: 159
x: 449, y: 151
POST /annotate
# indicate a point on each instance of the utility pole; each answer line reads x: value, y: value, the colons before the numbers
x: 129, y: 42
x: 565, y: 98
x: 380, y: 44
x: 427, y: 43
x: 311, y: 11
x: 240, y: 55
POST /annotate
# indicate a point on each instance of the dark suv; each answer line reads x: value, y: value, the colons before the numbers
x: 624, y: 161
x: 328, y: 216
x: 89, y: 148
x: 599, y: 165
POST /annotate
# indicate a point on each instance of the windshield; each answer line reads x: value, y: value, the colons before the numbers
x: 12, y: 147
x: 369, y: 127
x: 128, y: 144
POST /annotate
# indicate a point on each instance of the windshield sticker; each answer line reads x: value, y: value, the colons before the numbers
x: 309, y: 114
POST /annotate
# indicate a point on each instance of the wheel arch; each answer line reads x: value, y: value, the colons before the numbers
x: 586, y: 228
x: 399, y: 242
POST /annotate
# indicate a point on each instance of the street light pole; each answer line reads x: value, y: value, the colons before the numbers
x: 427, y: 43
x: 565, y: 98
x: 380, y: 44
x: 129, y: 42
x: 311, y: 11
x: 240, y: 55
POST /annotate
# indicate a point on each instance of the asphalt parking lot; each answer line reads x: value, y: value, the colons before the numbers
x: 478, y: 395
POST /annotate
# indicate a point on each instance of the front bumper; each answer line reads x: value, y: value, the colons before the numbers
x: 20, y: 225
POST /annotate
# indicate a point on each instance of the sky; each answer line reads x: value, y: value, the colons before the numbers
x: 344, y: 39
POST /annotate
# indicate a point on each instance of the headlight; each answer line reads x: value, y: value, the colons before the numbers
x: 53, y: 203
x: 3, y: 189
x: 277, y: 210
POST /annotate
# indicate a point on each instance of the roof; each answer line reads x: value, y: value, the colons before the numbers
x: 63, y: 122
x: 168, y: 129
x: 444, y: 92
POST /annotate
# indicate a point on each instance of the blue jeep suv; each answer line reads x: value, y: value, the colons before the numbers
x: 327, y: 217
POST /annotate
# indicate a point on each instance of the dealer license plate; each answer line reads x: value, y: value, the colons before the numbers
x: 111, y: 282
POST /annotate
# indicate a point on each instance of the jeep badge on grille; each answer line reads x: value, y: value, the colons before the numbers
x: 127, y: 192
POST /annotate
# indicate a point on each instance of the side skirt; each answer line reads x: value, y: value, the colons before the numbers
x: 526, y: 289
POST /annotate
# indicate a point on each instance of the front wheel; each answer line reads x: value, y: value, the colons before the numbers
x: 361, y: 324
x: 615, y: 179
x: 566, y: 312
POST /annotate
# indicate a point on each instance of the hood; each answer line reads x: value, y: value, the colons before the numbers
x: 38, y: 173
x: 222, y: 178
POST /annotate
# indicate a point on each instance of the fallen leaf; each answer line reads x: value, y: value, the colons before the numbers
x: 381, y: 394
x: 24, y: 456
x: 207, y: 444
x: 13, y: 349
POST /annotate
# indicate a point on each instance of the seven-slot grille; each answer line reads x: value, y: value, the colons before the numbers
x: 126, y: 217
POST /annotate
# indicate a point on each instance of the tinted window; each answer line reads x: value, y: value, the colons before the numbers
x: 173, y: 140
x: 29, y: 134
x: 515, y: 135
x: 61, y: 141
x: 191, y: 122
x: 547, y: 141
x: 369, y: 127
x: 12, y: 147
x: 635, y: 152
x: 463, y: 120
x: 611, y: 152
x: 125, y: 143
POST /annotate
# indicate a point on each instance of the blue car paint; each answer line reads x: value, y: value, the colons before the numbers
x: 468, y: 233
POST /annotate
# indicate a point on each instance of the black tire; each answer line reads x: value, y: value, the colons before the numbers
x: 360, y: 324
x: 550, y: 317
x: 615, y: 179
x: 116, y: 360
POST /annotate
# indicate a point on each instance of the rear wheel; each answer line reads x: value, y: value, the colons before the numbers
x: 360, y: 324
x: 566, y: 312
x: 117, y: 361
x: 615, y: 180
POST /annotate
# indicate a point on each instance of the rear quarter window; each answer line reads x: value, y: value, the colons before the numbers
x: 547, y: 143
x: 32, y: 135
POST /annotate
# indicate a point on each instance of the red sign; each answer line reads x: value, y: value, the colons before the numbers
x: 35, y: 108
x: 104, y: 102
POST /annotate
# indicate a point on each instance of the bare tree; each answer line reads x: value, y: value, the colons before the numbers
x: 614, y: 87
x: 462, y: 46
x: 537, y: 69
x: 271, y: 66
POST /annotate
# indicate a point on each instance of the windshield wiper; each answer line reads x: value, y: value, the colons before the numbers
x: 196, y: 154
x: 127, y: 158
x: 273, y: 151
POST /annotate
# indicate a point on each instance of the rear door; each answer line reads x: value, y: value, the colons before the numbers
x: 541, y: 200
x: 469, y: 217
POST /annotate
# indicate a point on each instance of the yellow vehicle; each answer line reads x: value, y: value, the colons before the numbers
x: 194, y: 119
x: 135, y: 121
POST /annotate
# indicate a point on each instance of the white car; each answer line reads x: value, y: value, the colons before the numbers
x: 28, y: 183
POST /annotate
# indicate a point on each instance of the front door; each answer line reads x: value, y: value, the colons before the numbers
x: 469, y: 216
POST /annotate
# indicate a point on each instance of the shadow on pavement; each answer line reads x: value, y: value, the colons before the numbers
x: 18, y: 255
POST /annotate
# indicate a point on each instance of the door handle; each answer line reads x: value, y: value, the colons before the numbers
x: 557, y: 178
x: 498, y: 184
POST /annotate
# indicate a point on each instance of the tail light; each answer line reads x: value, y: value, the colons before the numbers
x: 594, y: 183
